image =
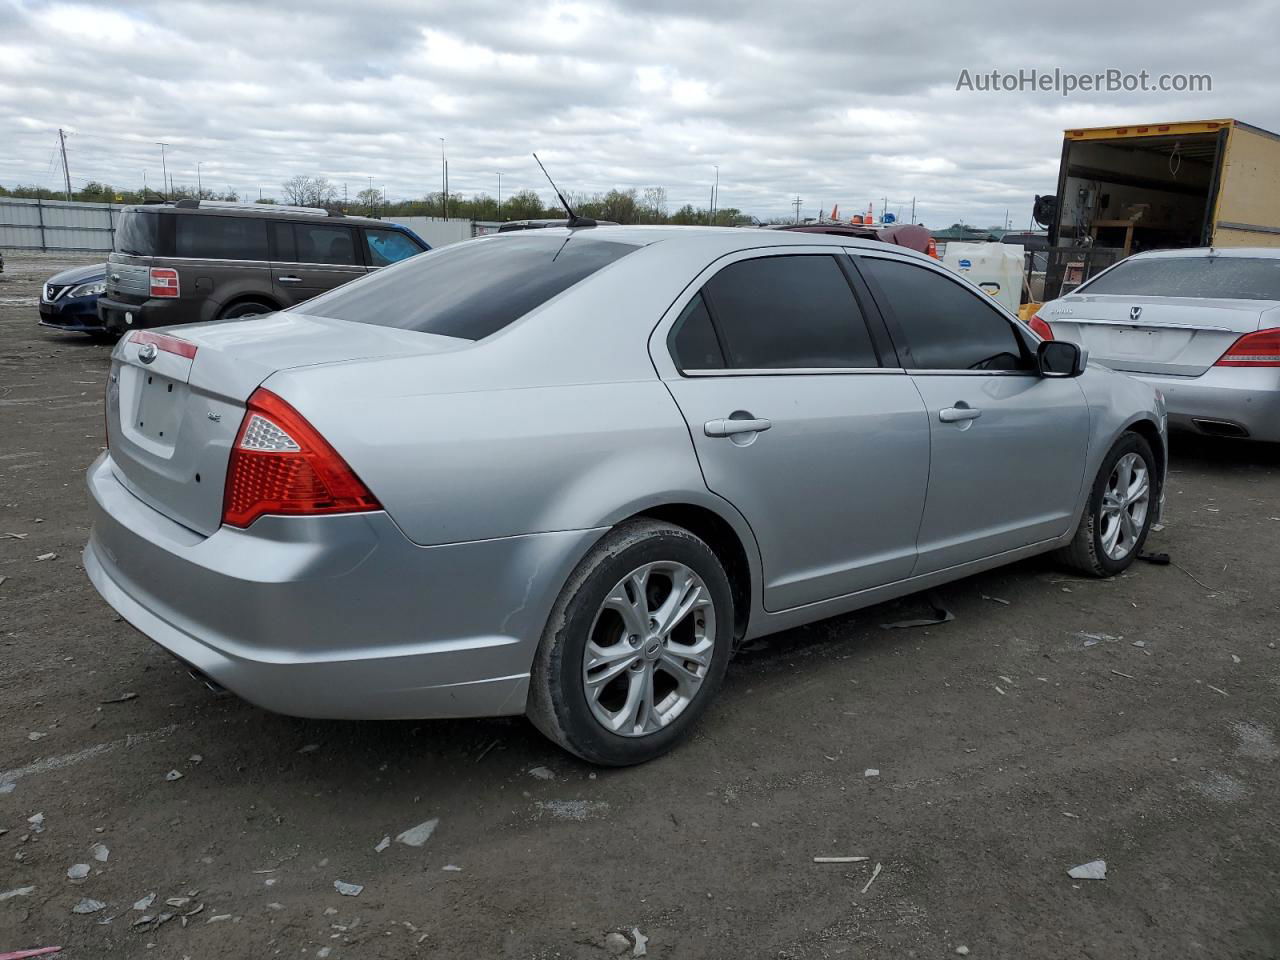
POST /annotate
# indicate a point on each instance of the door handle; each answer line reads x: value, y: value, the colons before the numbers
x: 289, y: 279
x: 958, y: 414
x: 728, y: 428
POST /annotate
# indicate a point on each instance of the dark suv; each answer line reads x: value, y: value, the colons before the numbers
x: 197, y: 260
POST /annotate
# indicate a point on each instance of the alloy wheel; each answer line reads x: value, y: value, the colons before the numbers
x: 649, y: 649
x: 1125, y: 501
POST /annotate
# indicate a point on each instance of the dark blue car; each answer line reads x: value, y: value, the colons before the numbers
x: 69, y: 300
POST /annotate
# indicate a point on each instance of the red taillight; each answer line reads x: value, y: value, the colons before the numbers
x: 280, y: 464
x: 164, y: 282
x: 1040, y: 328
x: 175, y: 345
x: 1259, y: 349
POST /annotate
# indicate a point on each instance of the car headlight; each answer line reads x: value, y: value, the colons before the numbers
x: 94, y: 288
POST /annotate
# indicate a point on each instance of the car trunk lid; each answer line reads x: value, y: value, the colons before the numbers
x: 1156, y: 335
x: 175, y: 400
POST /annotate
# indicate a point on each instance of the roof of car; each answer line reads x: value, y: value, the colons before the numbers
x: 714, y: 240
x: 1271, y: 253
x: 274, y: 211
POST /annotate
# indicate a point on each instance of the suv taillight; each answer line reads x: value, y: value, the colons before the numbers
x: 1258, y: 349
x: 1042, y: 329
x: 280, y: 464
x: 164, y: 282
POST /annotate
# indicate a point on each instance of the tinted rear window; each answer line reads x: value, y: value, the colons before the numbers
x: 137, y: 233
x: 220, y: 238
x: 1224, y: 278
x: 473, y: 289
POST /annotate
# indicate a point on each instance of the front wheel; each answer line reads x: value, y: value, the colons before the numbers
x: 1118, y: 515
x: 636, y: 645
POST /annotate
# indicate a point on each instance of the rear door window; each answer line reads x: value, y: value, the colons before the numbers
x: 693, y: 339
x: 946, y: 325
x: 474, y: 289
x: 1218, y: 278
x: 138, y: 234
x: 220, y: 238
x: 386, y: 247
x: 322, y: 243
x: 788, y: 312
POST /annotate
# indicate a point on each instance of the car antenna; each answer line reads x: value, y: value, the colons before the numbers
x: 574, y: 219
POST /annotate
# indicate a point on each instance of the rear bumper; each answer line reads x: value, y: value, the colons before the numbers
x: 118, y: 316
x: 337, y: 616
x: 1223, y: 401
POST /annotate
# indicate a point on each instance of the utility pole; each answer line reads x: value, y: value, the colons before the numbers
x: 884, y: 207
x: 499, y: 194
x: 913, y: 209
x: 796, y: 203
x: 199, y: 182
x: 66, y: 173
x: 711, y: 209
x: 344, y: 196
x: 164, y: 169
x: 444, y: 184
x: 715, y: 193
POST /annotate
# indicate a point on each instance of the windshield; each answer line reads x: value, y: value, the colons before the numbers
x: 137, y: 233
x: 1218, y: 278
x: 471, y: 289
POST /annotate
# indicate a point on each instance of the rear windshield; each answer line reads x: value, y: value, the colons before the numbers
x: 138, y: 233
x: 1218, y: 278
x: 473, y: 289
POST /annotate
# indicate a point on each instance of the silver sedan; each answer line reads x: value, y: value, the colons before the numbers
x: 566, y: 473
x: 1200, y: 325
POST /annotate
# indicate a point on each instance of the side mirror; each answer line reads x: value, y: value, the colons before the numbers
x: 1060, y: 358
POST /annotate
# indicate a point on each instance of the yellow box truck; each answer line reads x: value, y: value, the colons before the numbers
x: 1152, y: 186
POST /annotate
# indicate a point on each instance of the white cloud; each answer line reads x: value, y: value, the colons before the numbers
x: 833, y: 101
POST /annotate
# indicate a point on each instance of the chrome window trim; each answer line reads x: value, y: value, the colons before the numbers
x: 793, y: 372
x: 975, y: 373
x: 263, y: 263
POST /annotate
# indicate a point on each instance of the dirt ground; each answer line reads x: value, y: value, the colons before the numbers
x: 1010, y: 748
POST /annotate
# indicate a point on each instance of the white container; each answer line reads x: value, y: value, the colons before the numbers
x: 994, y: 267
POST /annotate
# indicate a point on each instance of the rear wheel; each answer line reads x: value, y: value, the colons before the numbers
x: 636, y: 645
x: 1118, y: 515
x: 248, y: 308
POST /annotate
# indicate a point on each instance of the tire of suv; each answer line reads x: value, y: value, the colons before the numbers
x: 244, y: 309
x: 1118, y: 516
x: 636, y: 645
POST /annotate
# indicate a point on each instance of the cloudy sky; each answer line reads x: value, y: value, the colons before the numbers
x: 835, y: 102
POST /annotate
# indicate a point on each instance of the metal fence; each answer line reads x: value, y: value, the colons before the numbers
x: 435, y: 230
x: 57, y: 224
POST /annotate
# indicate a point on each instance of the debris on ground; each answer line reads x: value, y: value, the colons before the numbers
x: 542, y: 773
x: 99, y: 852
x: 999, y: 691
x: 36, y: 735
x: 616, y: 943
x: 1159, y: 559
x: 1093, y: 870
x: 123, y: 698
x: 874, y: 873
x: 173, y: 775
x: 145, y: 902
x: 88, y: 906
x: 37, y: 822
x: 871, y: 772
x: 382, y: 844
x: 451, y: 868
x: 1091, y: 639
x: 840, y: 859
x: 1217, y: 689
x: 218, y: 918
x: 46, y: 556
x: 195, y: 758
x: 346, y: 889
x: 24, y: 954
x: 417, y: 836
x: 962, y: 951
x: 309, y: 748
x: 1127, y: 676
x: 940, y: 615
x: 77, y: 871
x: 1234, y: 658
x: 17, y: 892
x: 485, y: 752
x: 573, y: 809
x: 641, y: 947
x: 995, y: 600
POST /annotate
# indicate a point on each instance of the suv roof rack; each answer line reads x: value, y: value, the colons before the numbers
x: 189, y: 203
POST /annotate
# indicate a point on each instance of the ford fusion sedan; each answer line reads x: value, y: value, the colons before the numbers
x: 566, y: 472
x: 69, y: 300
x: 1202, y: 326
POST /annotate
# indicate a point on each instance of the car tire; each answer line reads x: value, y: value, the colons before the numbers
x: 1098, y: 549
x: 592, y: 708
x: 245, y: 309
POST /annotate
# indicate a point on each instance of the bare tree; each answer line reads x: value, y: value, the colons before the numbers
x: 306, y: 191
x: 654, y: 204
